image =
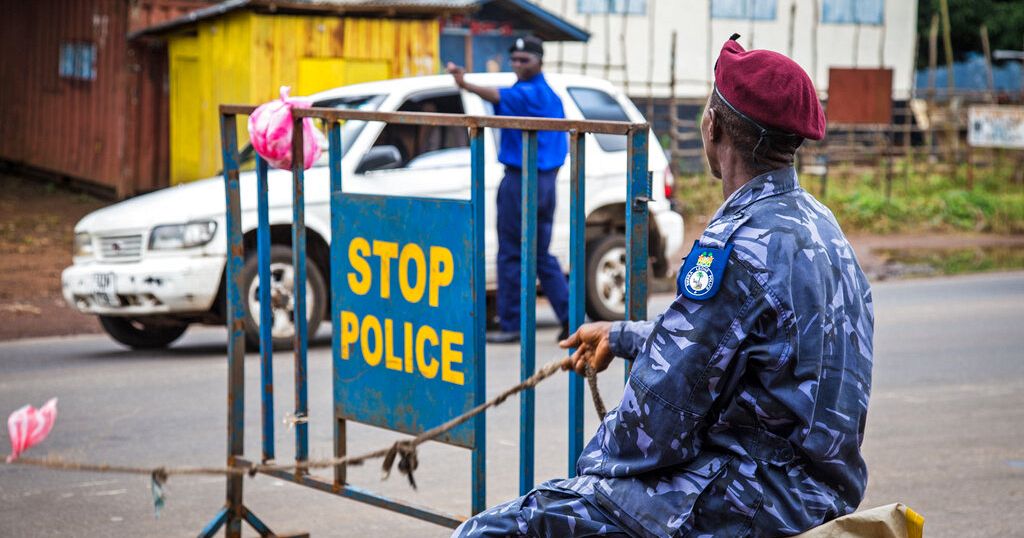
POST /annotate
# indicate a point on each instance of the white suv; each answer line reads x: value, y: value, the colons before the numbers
x: 150, y: 266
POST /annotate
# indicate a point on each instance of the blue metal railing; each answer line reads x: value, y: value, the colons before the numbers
x: 638, y: 193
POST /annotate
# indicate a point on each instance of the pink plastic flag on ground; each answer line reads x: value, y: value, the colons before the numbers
x: 270, y: 131
x: 28, y: 427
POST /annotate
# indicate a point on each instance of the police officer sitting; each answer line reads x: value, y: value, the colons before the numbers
x: 530, y: 96
x: 745, y: 407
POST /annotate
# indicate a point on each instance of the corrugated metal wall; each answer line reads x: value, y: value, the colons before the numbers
x: 110, y: 131
x: 246, y: 57
x: 63, y: 125
x: 146, y: 13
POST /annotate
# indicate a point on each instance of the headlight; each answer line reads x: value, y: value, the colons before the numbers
x: 187, y: 235
x: 83, y: 245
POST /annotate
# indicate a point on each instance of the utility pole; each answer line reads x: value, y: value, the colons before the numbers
x: 947, y: 42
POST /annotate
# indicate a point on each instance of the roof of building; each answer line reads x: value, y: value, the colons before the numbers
x: 543, y: 23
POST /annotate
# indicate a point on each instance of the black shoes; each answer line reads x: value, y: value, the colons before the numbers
x: 564, y: 334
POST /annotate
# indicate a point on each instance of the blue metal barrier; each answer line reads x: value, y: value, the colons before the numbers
x: 363, y: 224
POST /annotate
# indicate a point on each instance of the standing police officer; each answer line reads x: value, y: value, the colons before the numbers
x: 745, y: 408
x: 529, y: 96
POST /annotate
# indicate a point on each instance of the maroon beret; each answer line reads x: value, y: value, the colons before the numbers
x: 769, y: 89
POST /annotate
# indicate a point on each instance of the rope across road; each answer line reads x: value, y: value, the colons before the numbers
x: 404, y: 450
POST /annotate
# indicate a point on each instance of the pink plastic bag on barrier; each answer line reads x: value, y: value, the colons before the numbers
x: 270, y: 131
x: 28, y: 427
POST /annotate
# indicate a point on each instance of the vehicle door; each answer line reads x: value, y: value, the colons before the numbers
x: 605, y: 158
x: 495, y: 171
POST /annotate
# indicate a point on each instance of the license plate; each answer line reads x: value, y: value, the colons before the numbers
x: 104, y: 290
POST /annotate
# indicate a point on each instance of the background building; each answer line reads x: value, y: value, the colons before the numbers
x: 120, y: 96
x: 632, y: 42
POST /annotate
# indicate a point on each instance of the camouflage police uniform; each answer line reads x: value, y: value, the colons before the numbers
x: 744, y: 413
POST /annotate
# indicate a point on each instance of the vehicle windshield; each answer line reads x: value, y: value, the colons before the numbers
x: 349, y: 129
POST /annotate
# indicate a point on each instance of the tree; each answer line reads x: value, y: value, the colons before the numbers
x: 1004, y: 18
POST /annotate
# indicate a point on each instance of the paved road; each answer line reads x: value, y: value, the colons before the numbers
x: 945, y: 433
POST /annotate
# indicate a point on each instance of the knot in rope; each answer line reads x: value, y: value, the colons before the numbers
x: 405, y: 450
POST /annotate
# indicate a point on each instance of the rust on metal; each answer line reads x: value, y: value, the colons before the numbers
x: 351, y: 492
x: 461, y: 120
x: 457, y: 120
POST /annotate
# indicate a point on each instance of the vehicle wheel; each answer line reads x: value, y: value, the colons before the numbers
x: 282, y: 298
x: 606, y: 278
x: 137, y: 333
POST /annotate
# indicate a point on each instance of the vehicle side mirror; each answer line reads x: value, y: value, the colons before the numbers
x: 380, y: 158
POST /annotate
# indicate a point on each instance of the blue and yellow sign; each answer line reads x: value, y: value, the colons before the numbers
x: 407, y: 314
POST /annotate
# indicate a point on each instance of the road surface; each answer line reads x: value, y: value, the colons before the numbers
x: 945, y: 429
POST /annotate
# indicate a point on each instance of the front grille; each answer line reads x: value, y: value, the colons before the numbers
x: 121, y: 247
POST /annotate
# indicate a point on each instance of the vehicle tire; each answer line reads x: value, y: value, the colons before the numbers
x: 137, y: 333
x: 282, y: 297
x: 606, y: 278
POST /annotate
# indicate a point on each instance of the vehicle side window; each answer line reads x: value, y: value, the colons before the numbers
x: 349, y: 129
x: 425, y: 145
x: 598, y: 105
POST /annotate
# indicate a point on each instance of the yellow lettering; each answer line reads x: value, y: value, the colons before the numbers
x: 370, y: 323
x: 450, y: 356
x: 428, y: 369
x: 408, y: 347
x: 386, y: 251
x: 391, y: 362
x: 349, y: 331
x: 412, y: 253
x: 442, y: 269
x: 357, y: 250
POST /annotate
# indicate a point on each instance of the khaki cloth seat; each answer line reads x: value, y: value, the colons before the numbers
x: 890, y: 521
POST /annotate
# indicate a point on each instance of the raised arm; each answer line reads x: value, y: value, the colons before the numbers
x: 490, y: 94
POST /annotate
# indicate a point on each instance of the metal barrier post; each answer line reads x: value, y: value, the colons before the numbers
x: 577, y: 283
x: 638, y: 194
x: 479, y: 464
x: 234, y: 511
x: 337, y: 281
x: 301, y: 337
x: 235, y: 323
x: 266, y: 308
x: 527, y: 307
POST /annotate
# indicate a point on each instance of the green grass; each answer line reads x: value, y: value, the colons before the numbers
x: 956, y: 261
x: 934, y: 203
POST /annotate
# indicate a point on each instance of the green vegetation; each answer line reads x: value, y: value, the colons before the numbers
x: 954, y: 261
x: 935, y: 203
x: 1004, y: 18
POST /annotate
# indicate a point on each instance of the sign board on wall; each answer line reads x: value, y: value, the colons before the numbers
x: 407, y: 314
x: 996, y: 126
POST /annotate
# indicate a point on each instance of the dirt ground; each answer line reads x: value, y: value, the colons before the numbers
x: 37, y: 221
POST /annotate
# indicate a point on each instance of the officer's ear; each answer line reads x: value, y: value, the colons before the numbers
x: 712, y: 130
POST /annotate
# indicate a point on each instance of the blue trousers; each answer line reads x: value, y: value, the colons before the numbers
x: 552, y: 279
x: 548, y: 511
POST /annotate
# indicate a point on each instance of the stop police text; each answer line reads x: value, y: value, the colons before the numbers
x: 419, y: 274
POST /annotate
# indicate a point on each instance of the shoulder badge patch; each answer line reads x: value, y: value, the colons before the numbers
x: 702, y: 271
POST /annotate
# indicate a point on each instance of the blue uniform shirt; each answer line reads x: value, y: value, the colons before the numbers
x: 532, y: 98
x: 744, y: 413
